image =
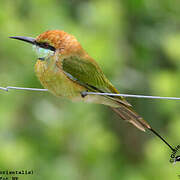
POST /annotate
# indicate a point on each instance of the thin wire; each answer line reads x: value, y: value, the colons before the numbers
x: 94, y: 93
x: 131, y: 95
x: 21, y: 88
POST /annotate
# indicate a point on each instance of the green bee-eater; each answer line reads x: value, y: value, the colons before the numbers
x: 66, y: 70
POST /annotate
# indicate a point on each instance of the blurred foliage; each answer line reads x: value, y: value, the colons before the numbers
x: 137, y: 44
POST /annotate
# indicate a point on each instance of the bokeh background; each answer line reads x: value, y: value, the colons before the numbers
x: 137, y: 44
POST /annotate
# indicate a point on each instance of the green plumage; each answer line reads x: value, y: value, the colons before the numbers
x: 68, y: 70
x: 88, y: 74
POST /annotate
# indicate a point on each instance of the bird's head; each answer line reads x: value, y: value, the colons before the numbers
x: 52, y: 41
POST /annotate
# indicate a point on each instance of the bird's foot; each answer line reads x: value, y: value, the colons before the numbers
x: 83, y: 94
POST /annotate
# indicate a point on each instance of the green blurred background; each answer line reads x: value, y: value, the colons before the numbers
x: 137, y: 44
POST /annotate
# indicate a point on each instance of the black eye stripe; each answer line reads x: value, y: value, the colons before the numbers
x: 45, y: 46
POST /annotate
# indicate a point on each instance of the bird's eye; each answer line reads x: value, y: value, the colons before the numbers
x: 45, y: 46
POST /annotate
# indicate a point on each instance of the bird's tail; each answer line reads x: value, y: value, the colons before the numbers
x: 128, y: 114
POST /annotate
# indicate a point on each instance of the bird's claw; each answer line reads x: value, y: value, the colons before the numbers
x: 83, y: 94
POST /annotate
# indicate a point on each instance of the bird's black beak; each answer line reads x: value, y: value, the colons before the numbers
x: 34, y: 42
x: 25, y: 39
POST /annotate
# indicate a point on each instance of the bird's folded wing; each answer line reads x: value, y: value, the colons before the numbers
x: 87, y: 73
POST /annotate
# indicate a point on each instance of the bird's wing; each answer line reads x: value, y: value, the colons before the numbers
x: 86, y: 72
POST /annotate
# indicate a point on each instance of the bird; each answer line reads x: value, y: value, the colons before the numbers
x: 67, y: 70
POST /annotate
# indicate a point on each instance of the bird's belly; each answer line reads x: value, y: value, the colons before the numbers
x: 54, y: 79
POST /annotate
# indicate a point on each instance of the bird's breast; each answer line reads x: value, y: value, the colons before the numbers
x: 54, y: 79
